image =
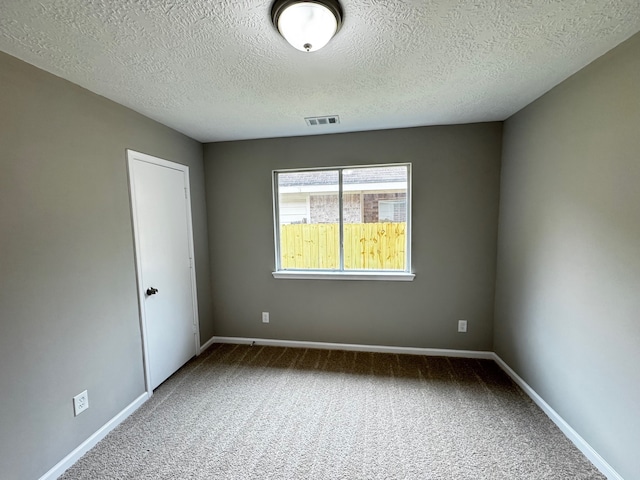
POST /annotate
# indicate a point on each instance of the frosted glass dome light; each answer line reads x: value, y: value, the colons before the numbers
x: 307, y: 26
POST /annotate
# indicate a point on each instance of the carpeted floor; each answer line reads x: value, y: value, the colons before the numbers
x: 241, y: 412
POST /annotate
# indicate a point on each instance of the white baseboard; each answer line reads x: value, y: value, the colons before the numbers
x: 568, y: 431
x: 207, y: 344
x: 588, y: 451
x: 59, y: 468
x: 433, y: 352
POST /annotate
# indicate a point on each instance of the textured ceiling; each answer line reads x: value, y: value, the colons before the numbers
x: 218, y: 70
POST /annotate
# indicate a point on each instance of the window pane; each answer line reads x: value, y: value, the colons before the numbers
x: 375, y: 217
x: 308, y: 219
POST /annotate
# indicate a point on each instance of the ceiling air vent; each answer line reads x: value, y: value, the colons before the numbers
x: 326, y: 120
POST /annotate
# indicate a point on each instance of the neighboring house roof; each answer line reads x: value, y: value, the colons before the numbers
x: 350, y: 176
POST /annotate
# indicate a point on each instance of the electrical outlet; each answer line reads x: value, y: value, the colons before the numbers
x: 462, y: 326
x: 265, y: 317
x: 80, y: 403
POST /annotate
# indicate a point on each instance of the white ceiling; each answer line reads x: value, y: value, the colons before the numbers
x: 218, y: 70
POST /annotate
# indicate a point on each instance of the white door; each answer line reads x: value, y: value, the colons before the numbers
x: 164, y: 245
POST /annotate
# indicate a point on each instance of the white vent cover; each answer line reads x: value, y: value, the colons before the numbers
x: 326, y: 120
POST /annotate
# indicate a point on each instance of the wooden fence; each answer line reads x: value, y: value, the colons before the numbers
x: 367, y: 246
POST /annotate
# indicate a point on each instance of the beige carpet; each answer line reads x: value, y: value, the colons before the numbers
x: 240, y: 412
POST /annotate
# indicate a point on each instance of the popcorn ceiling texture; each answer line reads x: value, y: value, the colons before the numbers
x: 218, y: 70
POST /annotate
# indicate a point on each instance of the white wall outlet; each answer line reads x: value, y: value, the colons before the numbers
x: 462, y: 326
x: 265, y: 317
x: 80, y: 403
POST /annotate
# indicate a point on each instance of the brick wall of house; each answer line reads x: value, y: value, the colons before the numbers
x: 324, y: 208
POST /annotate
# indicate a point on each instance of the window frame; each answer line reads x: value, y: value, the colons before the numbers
x: 341, y: 273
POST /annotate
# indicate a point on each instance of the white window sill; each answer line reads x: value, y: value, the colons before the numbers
x: 319, y: 275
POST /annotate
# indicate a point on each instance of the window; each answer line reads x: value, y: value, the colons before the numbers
x: 392, y: 210
x: 343, y: 222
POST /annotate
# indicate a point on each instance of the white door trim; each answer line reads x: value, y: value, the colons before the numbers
x: 132, y: 155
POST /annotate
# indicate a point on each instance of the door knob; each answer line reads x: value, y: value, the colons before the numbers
x: 152, y: 291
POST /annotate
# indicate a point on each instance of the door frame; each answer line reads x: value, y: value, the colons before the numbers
x: 132, y: 156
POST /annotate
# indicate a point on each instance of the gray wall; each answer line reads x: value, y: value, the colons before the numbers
x: 455, y: 208
x: 68, y: 305
x: 568, y: 285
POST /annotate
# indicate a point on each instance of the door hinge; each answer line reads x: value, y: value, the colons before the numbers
x: 185, y: 193
x: 195, y: 329
x: 190, y: 262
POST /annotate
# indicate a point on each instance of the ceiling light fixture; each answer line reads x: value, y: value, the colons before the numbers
x: 307, y: 25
